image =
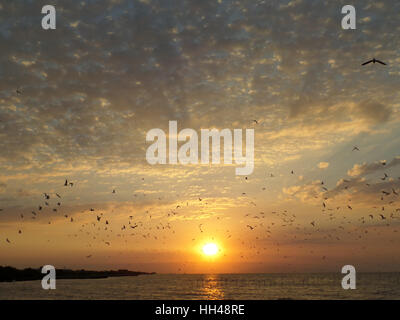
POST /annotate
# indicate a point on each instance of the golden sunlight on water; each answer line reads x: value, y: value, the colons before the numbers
x: 211, y: 288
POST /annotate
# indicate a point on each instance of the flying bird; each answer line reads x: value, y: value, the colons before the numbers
x: 373, y: 61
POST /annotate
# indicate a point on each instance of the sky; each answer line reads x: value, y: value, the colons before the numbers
x: 76, y: 104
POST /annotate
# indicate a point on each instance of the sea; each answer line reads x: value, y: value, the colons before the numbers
x: 323, y: 286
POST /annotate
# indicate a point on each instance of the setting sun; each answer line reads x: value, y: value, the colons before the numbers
x: 210, y: 249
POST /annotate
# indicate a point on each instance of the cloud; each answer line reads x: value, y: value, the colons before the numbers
x: 323, y: 165
x: 373, y: 111
x: 370, y: 168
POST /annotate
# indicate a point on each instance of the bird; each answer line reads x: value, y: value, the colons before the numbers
x: 373, y: 61
x: 18, y: 91
x: 255, y: 121
x: 355, y: 148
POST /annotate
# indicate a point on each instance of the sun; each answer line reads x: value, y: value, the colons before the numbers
x: 210, y: 249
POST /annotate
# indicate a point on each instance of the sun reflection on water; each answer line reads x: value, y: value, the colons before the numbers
x: 211, y: 287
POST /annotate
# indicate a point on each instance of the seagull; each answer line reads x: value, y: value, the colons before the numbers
x: 374, y: 61
x: 356, y: 148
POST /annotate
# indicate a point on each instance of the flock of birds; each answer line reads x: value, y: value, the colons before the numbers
x: 263, y: 225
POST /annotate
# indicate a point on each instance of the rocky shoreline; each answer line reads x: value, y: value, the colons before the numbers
x: 10, y: 274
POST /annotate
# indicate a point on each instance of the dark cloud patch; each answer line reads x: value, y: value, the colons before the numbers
x: 373, y: 111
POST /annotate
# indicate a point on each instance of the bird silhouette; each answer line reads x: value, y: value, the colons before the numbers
x: 373, y: 61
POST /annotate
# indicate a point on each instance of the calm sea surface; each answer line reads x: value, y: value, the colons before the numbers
x: 222, y: 286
